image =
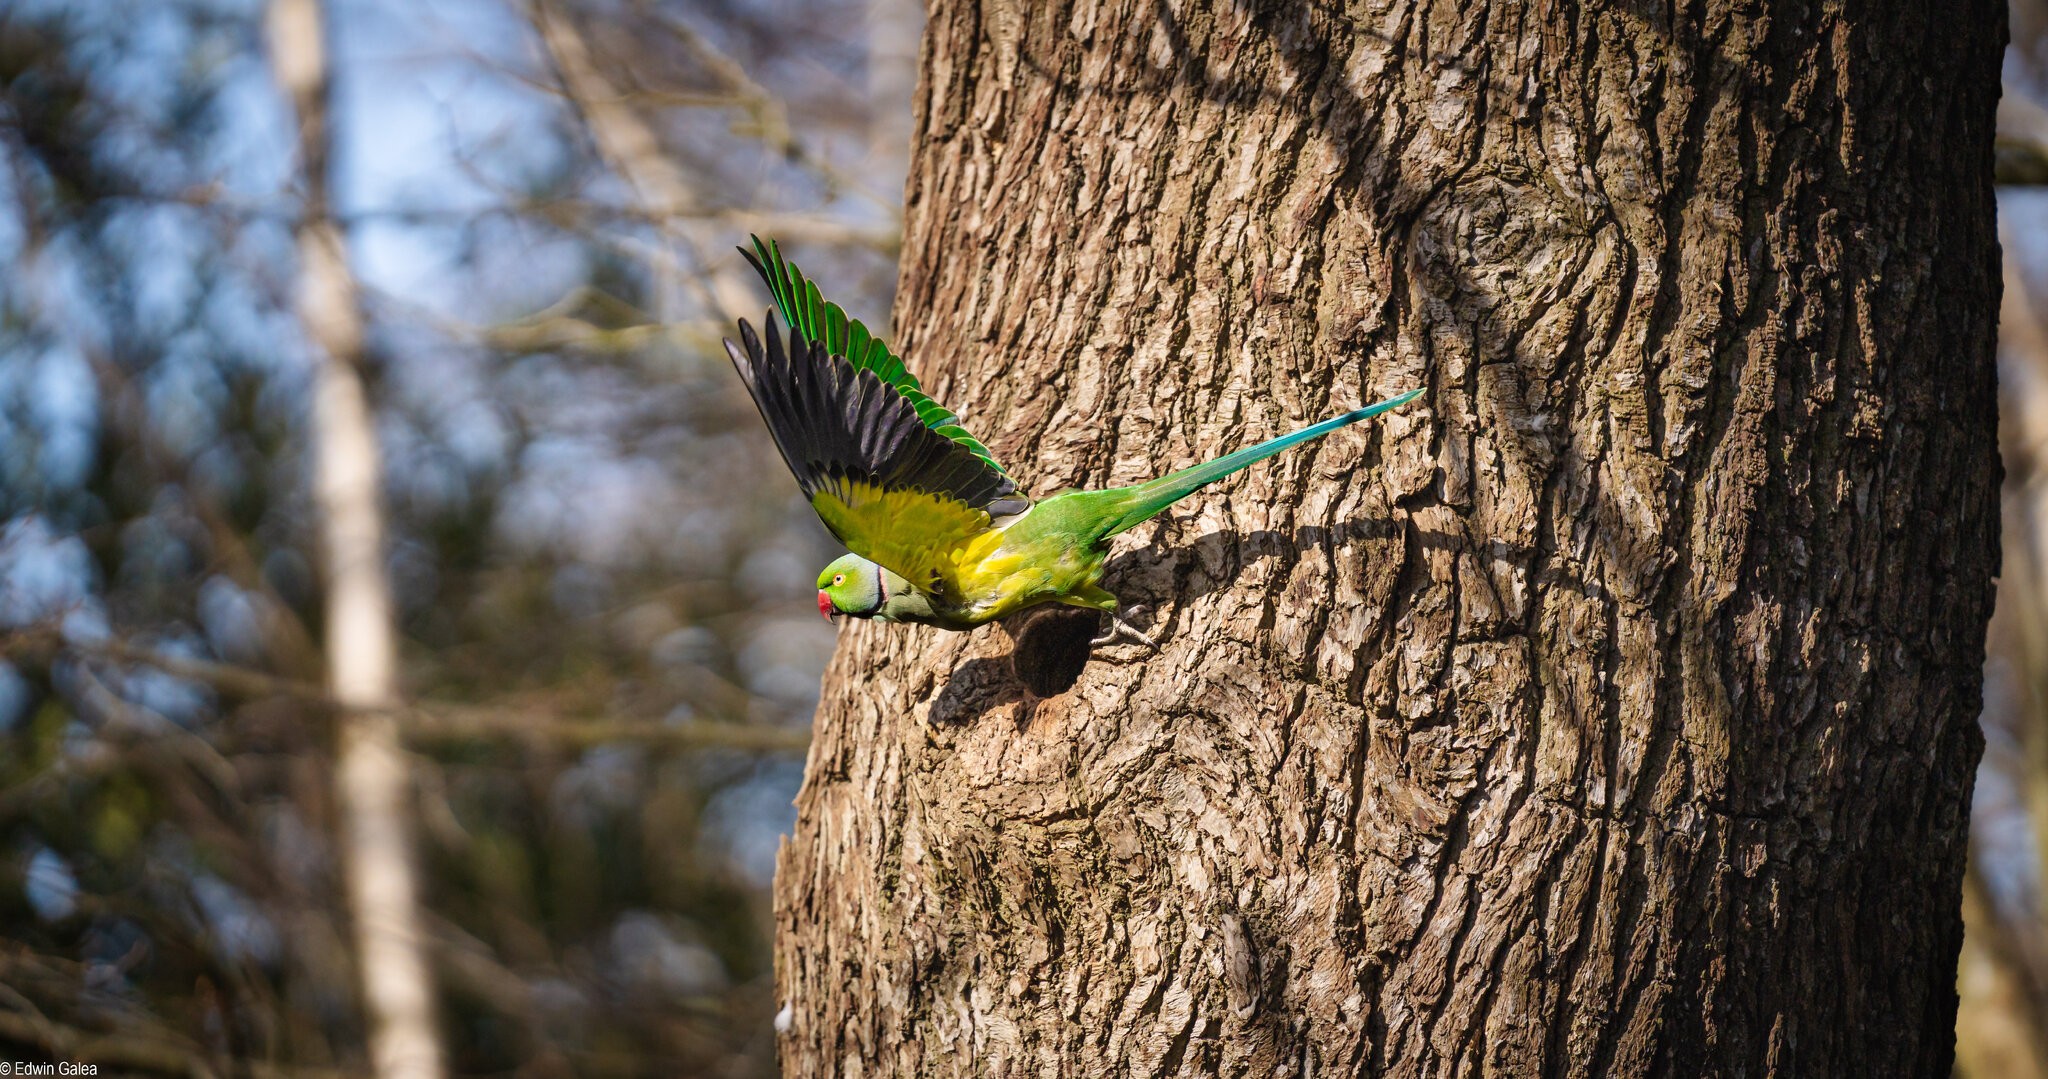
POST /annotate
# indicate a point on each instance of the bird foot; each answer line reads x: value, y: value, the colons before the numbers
x: 1120, y: 629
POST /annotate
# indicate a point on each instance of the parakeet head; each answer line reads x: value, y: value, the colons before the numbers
x: 852, y: 585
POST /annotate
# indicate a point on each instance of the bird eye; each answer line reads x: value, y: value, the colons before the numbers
x: 839, y: 578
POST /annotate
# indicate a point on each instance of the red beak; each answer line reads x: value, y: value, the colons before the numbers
x: 825, y: 605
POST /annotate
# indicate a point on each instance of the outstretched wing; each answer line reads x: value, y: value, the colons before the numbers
x: 807, y: 313
x: 891, y: 488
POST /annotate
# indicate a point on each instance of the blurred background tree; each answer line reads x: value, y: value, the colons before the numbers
x: 608, y: 651
x: 606, y: 641
x: 2002, y: 1026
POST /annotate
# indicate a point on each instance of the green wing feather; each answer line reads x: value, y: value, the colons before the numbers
x: 803, y: 308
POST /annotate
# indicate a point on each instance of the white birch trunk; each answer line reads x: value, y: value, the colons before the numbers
x: 370, y: 777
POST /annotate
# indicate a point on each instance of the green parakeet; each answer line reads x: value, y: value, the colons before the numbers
x: 940, y: 534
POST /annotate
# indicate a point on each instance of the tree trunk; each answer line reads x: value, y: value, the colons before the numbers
x: 1613, y: 714
x: 372, y: 783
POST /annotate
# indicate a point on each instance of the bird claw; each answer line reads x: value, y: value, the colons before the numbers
x: 1119, y: 629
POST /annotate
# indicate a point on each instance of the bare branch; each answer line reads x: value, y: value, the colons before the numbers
x: 432, y: 722
x: 161, y: 1057
x: 226, y: 678
x: 468, y: 722
x: 156, y: 1054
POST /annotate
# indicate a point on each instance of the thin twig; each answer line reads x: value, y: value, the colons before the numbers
x: 446, y: 723
x: 159, y: 1055
x: 71, y: 1045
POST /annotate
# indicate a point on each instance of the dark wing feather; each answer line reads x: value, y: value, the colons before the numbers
x: 838, y: 424
x: 809, y: 314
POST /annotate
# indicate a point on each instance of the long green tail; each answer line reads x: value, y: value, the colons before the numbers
x: 1146, y: 499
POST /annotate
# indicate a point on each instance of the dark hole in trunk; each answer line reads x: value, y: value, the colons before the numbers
x: 1053, y: 644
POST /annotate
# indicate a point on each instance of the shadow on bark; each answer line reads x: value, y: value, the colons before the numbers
x: 1051, y: 646
x: 1156, y: 577
x: 977, y: 686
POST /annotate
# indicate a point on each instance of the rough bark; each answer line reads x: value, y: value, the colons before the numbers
x: 1614, y: 714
